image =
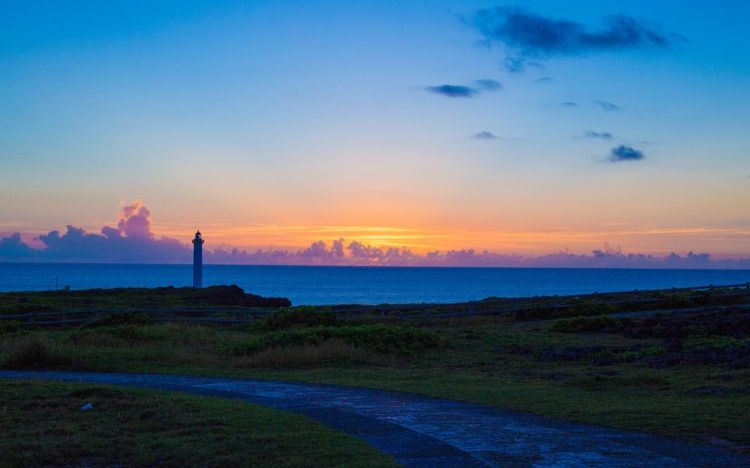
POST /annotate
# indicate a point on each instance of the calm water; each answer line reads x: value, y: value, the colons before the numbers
x: 339, y: 285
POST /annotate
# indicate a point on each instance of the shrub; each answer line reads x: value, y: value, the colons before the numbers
x: 117, y: 319
x: 296, y: 317
x: 9, y: 326
x: 586, y: 324
x: 380, y: 338
x: 675, y: 300
x: 327, y: 352
x: 114, y: 336
x: 31, y: 354
x: 233, y: 296
x: 713, y: 342
x: 577, y: 308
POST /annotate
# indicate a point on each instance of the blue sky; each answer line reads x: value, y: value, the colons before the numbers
x: 312, y: 114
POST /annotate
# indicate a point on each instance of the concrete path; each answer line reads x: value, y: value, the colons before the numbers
x: 420, y: 431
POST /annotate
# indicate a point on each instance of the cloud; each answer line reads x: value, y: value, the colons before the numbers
x: 13, y: 247
x: 569, y: 104
x: 599, y: 135
x: 77, y: 245
x: 116, y: 245
x: 485, y: 135
x: 529, y: 36
x: 607, y: 106
x: 625, y: 153
x: 488, y: 85
x: 462, y: 91
x: 453, y: 91
x: 130, y: 242
x: 544, y: 79
x: 135, y: 220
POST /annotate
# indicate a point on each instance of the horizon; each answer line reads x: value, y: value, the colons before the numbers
x: 496, y: 134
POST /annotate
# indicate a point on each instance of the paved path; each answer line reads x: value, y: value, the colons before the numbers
x: 420, y: 431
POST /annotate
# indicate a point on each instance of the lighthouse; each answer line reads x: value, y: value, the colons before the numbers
x: 198, y: 260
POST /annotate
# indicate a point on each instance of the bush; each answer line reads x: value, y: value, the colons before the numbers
x: 586, y: 324
x: 9, y: 326
x: 577, y: 308
x: 234, y: 296
x: 297, y: 317
x: 117, y: 319
x: 31, y: 354
x: 675, y: 300
x: 380, y: 338
x: 714, y: 343
x: 327, y: 352
x: 117, y: 335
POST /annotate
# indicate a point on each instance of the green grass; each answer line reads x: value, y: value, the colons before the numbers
x: 42, y: 424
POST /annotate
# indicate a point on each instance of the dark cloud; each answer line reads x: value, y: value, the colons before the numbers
x: 569, y: 104
x: 529, y: 36
x: 462, y: 91
x: 453, y: 91
x: 607, y: 106
x: 485, y: 135
x: 625, y: 153
x: 13, y: 247
x: 599, y: 135
x: 544, y: 79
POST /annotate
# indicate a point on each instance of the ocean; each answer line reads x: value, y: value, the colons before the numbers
x: 308, y: 285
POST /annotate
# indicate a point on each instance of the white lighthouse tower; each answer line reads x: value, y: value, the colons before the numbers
x: 198, y: 260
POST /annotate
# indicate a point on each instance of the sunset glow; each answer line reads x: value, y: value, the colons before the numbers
x: 449, y: 131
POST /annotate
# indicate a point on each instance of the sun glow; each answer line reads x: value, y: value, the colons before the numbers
x: 727, y: 241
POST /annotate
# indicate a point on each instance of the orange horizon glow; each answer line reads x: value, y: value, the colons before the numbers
x: 729, y: 242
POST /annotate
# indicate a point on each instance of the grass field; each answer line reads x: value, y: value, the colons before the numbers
x: 683, y: 375
x: 42, y: 424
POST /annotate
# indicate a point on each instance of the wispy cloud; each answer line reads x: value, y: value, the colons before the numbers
x: 597, y: 135
x: 569, y: 104
x: 465, y: 91
x: 529, y: 36
x: 488, y: 85
x: 607, y: 106
x: 485, y: 135
x: 623, y: 153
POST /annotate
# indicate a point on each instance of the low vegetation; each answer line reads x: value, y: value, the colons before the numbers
x: 129, y: 299
x: 42, y: 424
x: 683, y: 375
x: 379, y: 337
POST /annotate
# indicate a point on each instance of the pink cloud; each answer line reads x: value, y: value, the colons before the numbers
x: 135, y: 220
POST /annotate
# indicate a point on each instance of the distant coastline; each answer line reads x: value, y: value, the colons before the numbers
x: 317, y: 285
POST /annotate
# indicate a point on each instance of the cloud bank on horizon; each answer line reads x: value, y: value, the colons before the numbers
x: 132, y: 241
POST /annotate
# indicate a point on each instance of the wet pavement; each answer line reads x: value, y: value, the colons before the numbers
x: 421, y: 431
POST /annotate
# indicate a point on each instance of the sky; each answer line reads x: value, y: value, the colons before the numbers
x: 515, y: 131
